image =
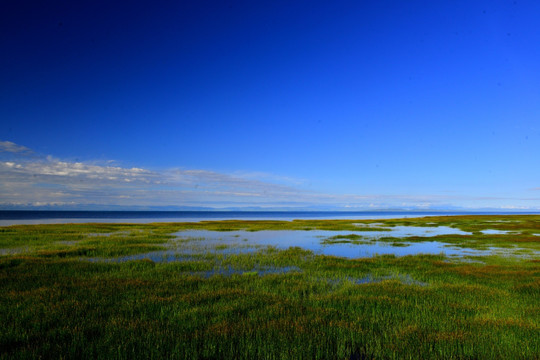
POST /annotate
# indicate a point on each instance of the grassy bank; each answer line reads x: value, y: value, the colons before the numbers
x: 268, y: 303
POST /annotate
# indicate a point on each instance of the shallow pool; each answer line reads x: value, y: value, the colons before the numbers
x: 192, y: 244
x: 314, y: 240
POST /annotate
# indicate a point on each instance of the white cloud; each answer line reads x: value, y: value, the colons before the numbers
x: 8, y: 146
x: 55, y: 170
x: 262, y: 176
x: 48, y: 180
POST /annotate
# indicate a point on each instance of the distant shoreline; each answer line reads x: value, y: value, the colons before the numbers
x: 27, y: 217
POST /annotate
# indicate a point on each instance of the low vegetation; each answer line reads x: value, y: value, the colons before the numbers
x: 64, y: 293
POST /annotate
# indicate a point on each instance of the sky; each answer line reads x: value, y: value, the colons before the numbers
x: 270, y: 104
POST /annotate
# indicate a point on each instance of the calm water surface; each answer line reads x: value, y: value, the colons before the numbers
x: 192, y: 243
x: 244, y: 241
x: 8, y: 217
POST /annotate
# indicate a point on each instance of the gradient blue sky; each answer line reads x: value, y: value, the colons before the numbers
x: 359, y: 104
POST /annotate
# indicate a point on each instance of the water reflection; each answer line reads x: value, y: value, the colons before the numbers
x: 191, y: 245
x: 495, y: 232
x: 314, y: 240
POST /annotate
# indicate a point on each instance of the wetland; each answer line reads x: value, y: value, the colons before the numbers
x: 429, y: 287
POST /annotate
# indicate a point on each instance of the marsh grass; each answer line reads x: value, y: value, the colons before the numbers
x: 270, y: 303
x: 346, y: 239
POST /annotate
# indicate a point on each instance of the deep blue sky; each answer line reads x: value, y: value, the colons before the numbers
x: 382, y: 103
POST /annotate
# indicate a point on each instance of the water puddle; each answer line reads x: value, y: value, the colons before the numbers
x: 108, y: 234
x: 12, y: 251
x: 376, y: 226
x: 501, y: 221
x: 114, y: 233
x: 405, y: 231
x: 67, y: 242
x: 495, y: 232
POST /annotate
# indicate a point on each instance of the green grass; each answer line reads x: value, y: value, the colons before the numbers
x: 55, y: 304
x: 345, y: 239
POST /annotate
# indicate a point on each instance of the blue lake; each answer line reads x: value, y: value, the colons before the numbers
x: 9, y: 217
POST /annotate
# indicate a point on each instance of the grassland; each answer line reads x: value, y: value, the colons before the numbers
x: 269, y: 303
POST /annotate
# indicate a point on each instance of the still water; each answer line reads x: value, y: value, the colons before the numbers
x: 314, y: 240
x: 191, y: 243
x: 65, y: 217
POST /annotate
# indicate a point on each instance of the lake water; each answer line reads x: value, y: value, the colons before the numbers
x: 63, y: 217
